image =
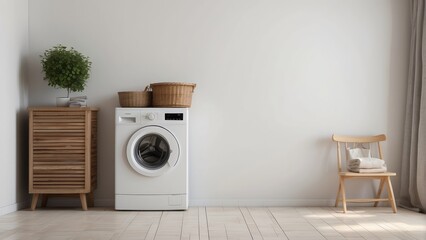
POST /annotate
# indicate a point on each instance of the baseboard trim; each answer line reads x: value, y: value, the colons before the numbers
x: 13, y: 207
x: 72, y: 202
x: 60, y: 202
x: 271, y: 203
x: 262, y: 203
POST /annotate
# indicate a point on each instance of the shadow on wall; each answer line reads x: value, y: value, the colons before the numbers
x: 106, y: 159
x: 22, y: 196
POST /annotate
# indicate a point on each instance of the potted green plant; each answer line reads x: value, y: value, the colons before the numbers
x: 65, y: 68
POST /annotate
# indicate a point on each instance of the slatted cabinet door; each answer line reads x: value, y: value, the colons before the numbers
x: 62, y: 154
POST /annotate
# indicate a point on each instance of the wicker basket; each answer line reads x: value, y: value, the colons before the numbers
x: 135, y: 99
x: 172, y: 94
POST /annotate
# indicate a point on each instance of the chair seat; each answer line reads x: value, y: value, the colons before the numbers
x: 354, y: 174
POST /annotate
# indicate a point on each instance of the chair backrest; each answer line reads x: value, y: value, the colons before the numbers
x: 347, y: 140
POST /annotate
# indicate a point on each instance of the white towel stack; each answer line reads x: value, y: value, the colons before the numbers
x: 367, y: 165
x: 360, y: 161
x: 80, y: 101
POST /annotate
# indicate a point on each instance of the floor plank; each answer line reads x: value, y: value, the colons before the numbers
x: 203, y: 224
x: 170, y: 226
x: 215, y: 223
x: 227, y: 223
x: 267, y: 224
x: 251, y: 224
x: 144, y: 223
x: 190, y: 229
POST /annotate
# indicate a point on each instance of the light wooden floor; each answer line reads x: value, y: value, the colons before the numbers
x: 215, y: 223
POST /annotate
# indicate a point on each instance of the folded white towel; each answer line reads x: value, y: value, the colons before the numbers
x: 366, y: 162
x: 368, y: 170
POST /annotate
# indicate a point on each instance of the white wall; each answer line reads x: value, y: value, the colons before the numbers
x: 13, y: 98
x: 274, y: 80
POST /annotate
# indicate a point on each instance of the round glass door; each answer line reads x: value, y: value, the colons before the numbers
x: 152, y: 151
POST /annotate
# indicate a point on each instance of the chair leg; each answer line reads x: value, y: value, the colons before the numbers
x: 34, y: 201
x: 83, y: 201
x: 390, y: 195
x: 338, y: 195
x: 342, y: 189
x: 379, y: 192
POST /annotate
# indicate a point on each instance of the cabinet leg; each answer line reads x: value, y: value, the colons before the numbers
x: 83, y: 201
x: 44, y: 200
x: 34, y: 201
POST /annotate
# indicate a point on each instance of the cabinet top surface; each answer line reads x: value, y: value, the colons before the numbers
x: 53, y: 109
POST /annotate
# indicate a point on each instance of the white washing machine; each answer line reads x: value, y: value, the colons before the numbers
x: 151, y: 158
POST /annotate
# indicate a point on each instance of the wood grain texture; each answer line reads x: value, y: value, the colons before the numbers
x: 62, y: 150
x: 361, y: 139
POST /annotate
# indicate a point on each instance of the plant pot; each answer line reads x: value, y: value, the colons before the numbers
x: 62, y: 101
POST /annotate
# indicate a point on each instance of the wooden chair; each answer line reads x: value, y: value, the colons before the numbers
x: 346, y: 141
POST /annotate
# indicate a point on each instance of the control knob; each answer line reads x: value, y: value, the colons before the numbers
x: 151, y: 116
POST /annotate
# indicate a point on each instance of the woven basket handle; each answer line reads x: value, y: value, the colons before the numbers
x: 148, y: 88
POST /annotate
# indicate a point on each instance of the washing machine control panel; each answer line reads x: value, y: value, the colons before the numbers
x: 143, y: 116
x: 174, y: 116
x: 167, y: 116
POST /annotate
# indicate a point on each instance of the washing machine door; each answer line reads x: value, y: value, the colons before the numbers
x: 152, y: 151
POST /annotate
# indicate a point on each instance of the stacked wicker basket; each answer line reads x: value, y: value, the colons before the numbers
x: 165, y: 94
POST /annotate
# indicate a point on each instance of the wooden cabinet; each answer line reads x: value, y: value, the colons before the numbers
x: 62, y: 152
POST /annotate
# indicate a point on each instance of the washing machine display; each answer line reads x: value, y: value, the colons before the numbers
x: 152, y: 151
